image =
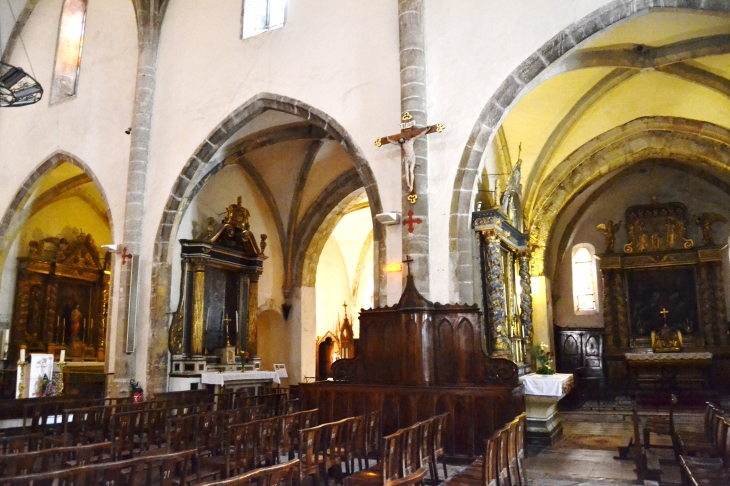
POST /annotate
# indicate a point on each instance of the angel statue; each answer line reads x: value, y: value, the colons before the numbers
x: 610, y: 230
x: 705, y: 221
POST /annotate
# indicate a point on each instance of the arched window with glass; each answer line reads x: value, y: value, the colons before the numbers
x: 585, y: 288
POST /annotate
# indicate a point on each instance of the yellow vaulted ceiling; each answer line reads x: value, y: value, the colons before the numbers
x: 658, y: 64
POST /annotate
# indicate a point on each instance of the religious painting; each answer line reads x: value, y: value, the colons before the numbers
x: 652, y: 290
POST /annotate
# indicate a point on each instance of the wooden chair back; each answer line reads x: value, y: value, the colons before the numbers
x: 437, y: 449
x: 373, y: 436
x: 310, y: 446
x: 292, y: 406
x: 415, y: 478
x: 503, y: 458
x: 267, y: 441
x: 411, y: 453
x: 521, y: 453
x: 88, y: 424
x: 240, y: 448
x: 15, y: 444
x: 514, y: 475
x: 490, y: 475
x: 282, y: 474
x: 392, y: 456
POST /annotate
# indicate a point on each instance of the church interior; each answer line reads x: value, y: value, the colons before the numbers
x: 209, y: 243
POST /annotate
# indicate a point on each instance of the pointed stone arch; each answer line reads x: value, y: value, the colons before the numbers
x: 692, y: 142
x: 49, y: 164
x: 206, y: 160
x: 496, y: 108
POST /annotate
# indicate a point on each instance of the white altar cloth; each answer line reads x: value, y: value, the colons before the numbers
x: 220, y: 378
x: 547, y: 385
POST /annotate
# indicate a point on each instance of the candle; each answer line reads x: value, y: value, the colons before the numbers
x: 22, y: 355
x: 63, y: 356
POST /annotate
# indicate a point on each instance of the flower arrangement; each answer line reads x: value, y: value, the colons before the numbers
x: 544, y: 359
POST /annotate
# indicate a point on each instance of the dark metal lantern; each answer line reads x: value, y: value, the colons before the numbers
x: 18, y: 88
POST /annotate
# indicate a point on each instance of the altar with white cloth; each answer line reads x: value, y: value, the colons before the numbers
x: 542, y: 394
x: 240, y: 379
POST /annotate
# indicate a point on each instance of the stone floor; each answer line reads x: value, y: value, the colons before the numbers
x: 560, y: 466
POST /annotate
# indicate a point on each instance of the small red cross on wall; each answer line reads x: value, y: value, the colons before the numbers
x: 125, y: 256
x: 410, y: 221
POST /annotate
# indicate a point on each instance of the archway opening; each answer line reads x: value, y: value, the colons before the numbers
x: 56, y: 277
x: 297, y: 176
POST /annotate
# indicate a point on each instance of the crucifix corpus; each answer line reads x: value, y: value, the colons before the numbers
x: 407, y: 136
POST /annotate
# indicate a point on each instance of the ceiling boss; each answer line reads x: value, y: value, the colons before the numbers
x: 407, y: 136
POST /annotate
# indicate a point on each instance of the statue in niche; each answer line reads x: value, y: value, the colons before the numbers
x: 609, y: 230
x: 705, y: 222
x: 236, y: 230
x: 75, y: 326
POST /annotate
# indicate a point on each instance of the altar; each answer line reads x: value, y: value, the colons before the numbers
x: 542, y: 394
x: 664, y: 282
x: 669, y: 371
x: 254, y: 380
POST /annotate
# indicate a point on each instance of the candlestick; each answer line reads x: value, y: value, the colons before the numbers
x: 58, y: 327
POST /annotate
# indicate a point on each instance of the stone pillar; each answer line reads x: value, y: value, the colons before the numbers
x: 149, y: 15
x: 413, y: 100
x: 197, y: 333
x: 252, y: 331
x: 496, y: 296
x: 526, y: 303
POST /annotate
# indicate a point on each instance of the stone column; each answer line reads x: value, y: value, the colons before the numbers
x: 497, y: 296
x: 197, y: 332
x: 413, y: 100
x: 526, y: 303
x: 252, y: 331
x: 149, y: 15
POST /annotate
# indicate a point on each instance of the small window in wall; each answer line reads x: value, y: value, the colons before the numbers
x: 262, y: 15
x: 584, y: 280
x: 68, y: 50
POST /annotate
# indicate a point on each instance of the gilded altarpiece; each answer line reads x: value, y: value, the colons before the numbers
x: 661, y: 280
x: 61, y: 299
x: 216, y: 318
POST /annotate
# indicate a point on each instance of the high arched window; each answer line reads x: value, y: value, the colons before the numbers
x: 585, y: 299
x: 262, y: 15
x: 68, y: 50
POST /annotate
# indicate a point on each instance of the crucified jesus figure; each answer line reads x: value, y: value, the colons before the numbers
x: 406, y: 138
x: 408, y: 155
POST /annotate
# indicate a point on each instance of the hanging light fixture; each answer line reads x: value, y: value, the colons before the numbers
x: 18, y: 88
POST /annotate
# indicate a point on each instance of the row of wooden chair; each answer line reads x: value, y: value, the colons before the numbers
x: 57, y: 458
x: 503, y: 461
x: 704, y: 456
x: 407, y: 455
x: 159, y: 470
x: 281, y: 474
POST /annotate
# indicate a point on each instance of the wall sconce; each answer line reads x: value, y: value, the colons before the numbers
x: 393, y: 267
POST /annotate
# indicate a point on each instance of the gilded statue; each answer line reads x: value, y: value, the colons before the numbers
x: 237, y: 216
x: 705, y: 222
x: 609, y: 230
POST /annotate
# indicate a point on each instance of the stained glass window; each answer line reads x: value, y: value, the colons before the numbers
x: 68, y: 50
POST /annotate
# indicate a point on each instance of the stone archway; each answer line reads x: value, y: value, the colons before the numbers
x: 692, y: 142
x: 206, y: 161
x: 56, y: 159
x: 497, y: 107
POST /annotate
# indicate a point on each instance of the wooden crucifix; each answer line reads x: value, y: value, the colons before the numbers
x: 407, y: 136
